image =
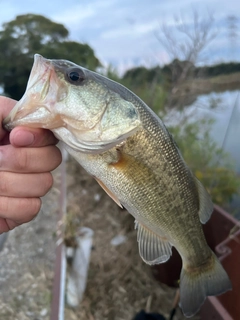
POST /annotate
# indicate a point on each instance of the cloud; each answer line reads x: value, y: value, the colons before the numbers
x: 130, y: 30
x: 74, y: 16
x: 84, y: 14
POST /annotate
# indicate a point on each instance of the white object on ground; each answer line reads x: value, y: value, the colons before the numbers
x: 116, y: 241
x: 77, y: 277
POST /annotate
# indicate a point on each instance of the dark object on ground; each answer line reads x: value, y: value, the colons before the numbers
x: 142, y: 315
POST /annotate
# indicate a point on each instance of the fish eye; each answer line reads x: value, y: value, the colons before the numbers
x: 75, y: 76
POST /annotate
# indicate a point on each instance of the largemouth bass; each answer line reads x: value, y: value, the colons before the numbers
x: 118, y: 139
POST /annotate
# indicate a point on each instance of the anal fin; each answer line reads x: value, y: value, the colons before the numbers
x: 153, y: 248
x: 109, y: 192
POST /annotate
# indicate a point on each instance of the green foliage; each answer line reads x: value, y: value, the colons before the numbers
x: 147, y: 84
x: 218, y: 69
x: 210, y: 164
x: 112, y: 74
x: 153, y: 95
x: 28, y: 34
x: 141, y: 74
x: 170, y: 73
x: 81, y: 54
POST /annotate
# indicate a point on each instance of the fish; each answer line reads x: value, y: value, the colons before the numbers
x: 126, y: 147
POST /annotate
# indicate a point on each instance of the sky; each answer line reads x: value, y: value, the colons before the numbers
x: 123, y: 33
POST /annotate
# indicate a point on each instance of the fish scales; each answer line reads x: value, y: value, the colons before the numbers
x: 142, y: 185
x: 126, y: 147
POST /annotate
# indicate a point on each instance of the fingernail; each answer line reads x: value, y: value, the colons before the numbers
x: 28, y: 139
x: 23, y: 138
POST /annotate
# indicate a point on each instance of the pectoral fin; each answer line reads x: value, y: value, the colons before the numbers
x: 205, y: 203
x: 153, y: 248
x: 109, y: 192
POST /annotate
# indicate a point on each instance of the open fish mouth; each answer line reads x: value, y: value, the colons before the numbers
x: 34, y: 108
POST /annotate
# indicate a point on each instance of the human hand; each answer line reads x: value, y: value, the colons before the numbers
x: 27, y: 156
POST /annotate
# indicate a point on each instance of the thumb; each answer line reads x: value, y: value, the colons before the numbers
x: 32, y: 137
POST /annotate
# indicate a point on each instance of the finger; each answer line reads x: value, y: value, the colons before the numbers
x: 31, y: 185
x: 6, y: 105
x: 32, y: 137
x: 29, y: 160
x: 16, y: 211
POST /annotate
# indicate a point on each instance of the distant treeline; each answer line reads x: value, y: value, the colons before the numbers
x: 176, y: 69
x: 218, y: 69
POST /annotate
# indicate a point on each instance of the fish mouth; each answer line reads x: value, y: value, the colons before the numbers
x: 40, y: 76
x: 32, y: 109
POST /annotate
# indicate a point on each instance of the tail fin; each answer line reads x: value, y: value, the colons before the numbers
x: 196, y: 285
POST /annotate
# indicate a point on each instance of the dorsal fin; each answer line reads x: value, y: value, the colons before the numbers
x: 205, y: 202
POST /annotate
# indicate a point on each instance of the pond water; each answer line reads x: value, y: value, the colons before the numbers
x: 224, y: 108
x: 226, y: 128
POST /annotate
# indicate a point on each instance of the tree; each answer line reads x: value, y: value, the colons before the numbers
x: 79, y: 53
x: 233, y: 33
x: 184, y: 43
x: 147, y: 84
x: 28, y: 34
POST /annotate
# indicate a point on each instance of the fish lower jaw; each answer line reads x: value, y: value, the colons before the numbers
x: 39, y: 118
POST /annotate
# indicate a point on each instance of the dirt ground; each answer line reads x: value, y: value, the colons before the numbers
x: 119, y: 283
x: 26, y: 265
